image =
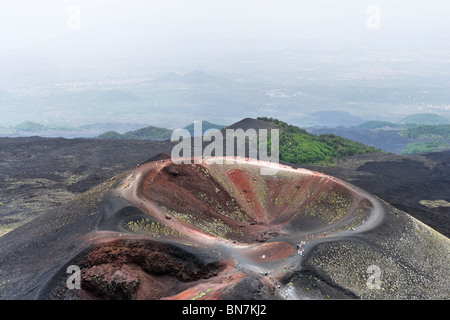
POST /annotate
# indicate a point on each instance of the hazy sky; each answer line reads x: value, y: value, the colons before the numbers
x: 58, y: 48
x: 25, y: 23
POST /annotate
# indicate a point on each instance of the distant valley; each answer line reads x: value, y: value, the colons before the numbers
x: 417, y: 133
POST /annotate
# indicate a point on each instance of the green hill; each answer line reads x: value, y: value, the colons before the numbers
x: 441, y: 131
x: 147, y: 133
x: 425, y: 119
x: 205, y: 126
x: 110, y: 135
x: 30, y: 126
x: 299, y: 146
x: 425, y: 146
x: 431, y: 138
x: 376, y: 124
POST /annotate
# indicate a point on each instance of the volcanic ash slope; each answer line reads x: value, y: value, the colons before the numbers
x: 224, y: 231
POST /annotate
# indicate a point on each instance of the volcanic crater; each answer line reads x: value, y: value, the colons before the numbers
x: 238, y: 221
x: 198, y: 231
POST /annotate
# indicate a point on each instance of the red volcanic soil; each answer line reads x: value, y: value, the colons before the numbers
x: 141, y: 269
x: 241, y: 180
x: 230, y: 213
x: 196, y: 231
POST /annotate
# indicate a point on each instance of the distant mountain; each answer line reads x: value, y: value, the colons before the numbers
x: 441, y: 131
x: 250, y: 123
x: 425, y: 118
x: 169, y: 77
x: 152, y: 132
x: 109, y: 126
x: 335, y: 118
x: 34, y: 127
x: 376, y: 124
x: 30, y: 126
x: 386, y: 140
x: 147, y: 133
x: 206, y: 125
x: 296, y: 145
x: 110, y: 135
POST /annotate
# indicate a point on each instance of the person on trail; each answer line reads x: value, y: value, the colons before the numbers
x: 324, y: 234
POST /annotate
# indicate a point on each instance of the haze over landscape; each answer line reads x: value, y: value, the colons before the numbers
x: 168, y: 63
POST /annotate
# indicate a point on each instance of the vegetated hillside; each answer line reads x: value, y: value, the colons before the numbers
x: 66, y: 130
x: 34, y: 127
x: 425, y: 146
x: 206, y: 125
x: 386, y: 140
x: 377, y: 124
x: 31, y: 126
x: 441, y: 131
x: 425, y: 118
x: 419, y: 133
x: 152, y: 132
x: 429, y: 138
x: 299, y: 146
x: 146, y: 133
x: 110, y: 135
